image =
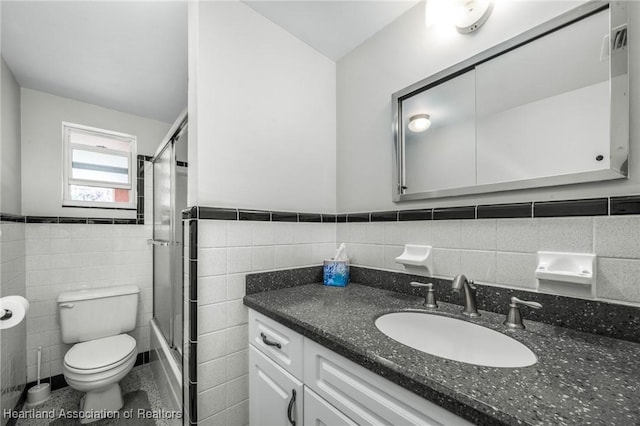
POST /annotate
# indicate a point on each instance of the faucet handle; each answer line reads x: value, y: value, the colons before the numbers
x: 515, y: 302
x: 514, y: 317
x: 430, y: 299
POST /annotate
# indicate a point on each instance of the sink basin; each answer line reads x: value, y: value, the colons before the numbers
x: 455, y: 339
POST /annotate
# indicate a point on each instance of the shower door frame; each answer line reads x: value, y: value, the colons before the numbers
x: 173, y: 135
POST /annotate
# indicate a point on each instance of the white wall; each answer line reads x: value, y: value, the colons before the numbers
x: 10, y: 145
x: 406, y: 52
x: 264, y: 114
x: 42, y: 117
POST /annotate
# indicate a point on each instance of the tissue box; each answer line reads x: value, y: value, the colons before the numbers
x: 336, y: 272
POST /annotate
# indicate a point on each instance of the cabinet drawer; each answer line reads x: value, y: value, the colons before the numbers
x: 365, y: 397
x: 279, y: 343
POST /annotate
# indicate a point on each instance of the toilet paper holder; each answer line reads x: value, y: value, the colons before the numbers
x: 6, y: 314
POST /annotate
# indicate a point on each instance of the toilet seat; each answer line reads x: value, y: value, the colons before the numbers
x: 99, y: 355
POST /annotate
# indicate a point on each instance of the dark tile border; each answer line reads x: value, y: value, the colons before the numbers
x: 43, y: 219
x: 192, y: 361
x: 256, y: 215
x: 329, y: 218
x: 467, y: 212
x: 391, y: 216
x: 68, y: 220
x: 6, y: 217
x: 310, y: 217
x: 284, y: 217
x: 358, y: 217
x: 217, y: 214
x: 622, y: 205
x: 592, y: 207
x: 505, y: 211
x: 589, y: 316
x: 140, y: 185
x: 420, y: 214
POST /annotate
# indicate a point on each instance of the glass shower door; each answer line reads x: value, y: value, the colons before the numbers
x: 163, y: 224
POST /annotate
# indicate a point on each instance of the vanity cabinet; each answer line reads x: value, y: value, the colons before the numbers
x: 317, y: 411
x: 275, y: 396
x: 329, y: 389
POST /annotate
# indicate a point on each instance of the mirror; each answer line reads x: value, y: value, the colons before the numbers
x: 548, y: 107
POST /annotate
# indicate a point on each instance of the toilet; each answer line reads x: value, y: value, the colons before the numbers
x: 96, y: 320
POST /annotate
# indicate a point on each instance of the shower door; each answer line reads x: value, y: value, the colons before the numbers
x: 169, y: 198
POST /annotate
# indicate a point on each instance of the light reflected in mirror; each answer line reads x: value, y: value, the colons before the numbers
x: 451, y: 135
x: 535, y: 111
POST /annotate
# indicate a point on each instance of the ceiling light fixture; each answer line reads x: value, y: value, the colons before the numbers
x: 466, y: 15
x: 471, y: 14
x: 419, y: 122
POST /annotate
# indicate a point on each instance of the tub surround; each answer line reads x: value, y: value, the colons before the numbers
x: 580, y: 378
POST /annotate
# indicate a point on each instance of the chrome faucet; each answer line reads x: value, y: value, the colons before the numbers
x: 430, y: 298
x: 460, y: 282
x: 514, y: 317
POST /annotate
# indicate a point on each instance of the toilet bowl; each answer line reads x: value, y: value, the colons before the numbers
x: 96, y: 320
x: 96, y: 367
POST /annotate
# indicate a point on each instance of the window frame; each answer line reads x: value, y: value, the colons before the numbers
x: 68, y: 180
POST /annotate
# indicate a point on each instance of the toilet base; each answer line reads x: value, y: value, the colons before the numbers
x: 97, y: 405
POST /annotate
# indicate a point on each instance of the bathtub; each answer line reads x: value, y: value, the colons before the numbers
x: 166, y: 370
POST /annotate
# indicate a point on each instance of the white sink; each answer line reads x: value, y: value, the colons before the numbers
x: 455, y: 339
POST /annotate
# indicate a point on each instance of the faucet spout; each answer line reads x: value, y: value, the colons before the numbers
x: 460, y: 282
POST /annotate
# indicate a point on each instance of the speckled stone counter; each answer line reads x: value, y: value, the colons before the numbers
x: 579, y: 379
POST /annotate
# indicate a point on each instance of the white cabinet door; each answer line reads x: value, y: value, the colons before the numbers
x: 275, y: 396
x: 318, y: 412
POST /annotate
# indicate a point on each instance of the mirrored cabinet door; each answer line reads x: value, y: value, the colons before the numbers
x: 548, y: 107
x: 543, y: 109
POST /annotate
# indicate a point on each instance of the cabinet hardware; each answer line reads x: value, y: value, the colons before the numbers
x: 269, y: 342
x: 290, y: 408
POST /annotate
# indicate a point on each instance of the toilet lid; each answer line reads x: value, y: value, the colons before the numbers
x: 100, y: 352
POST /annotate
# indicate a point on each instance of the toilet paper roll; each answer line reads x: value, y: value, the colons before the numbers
x: 18, y: 305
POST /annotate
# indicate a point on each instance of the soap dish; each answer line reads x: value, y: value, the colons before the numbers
x: 575, y: 268
x: 416, y: 257
x: 567, y: 274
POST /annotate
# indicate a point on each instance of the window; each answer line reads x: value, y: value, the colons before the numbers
x: 98, y: 167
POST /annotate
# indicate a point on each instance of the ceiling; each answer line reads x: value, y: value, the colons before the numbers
x: 131, y: 56
x: 332, y: 27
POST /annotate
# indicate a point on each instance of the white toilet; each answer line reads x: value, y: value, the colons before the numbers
x: 96, y: 320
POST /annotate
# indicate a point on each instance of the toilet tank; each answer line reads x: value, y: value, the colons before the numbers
x: 98, y: 312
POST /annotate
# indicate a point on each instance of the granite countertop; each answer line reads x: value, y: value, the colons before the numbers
x: 579, y: 378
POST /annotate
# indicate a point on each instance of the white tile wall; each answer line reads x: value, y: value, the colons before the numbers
x: 13, y: 341
x: 227, y: 251
x: 65, y: 257
x: 503, y: 251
